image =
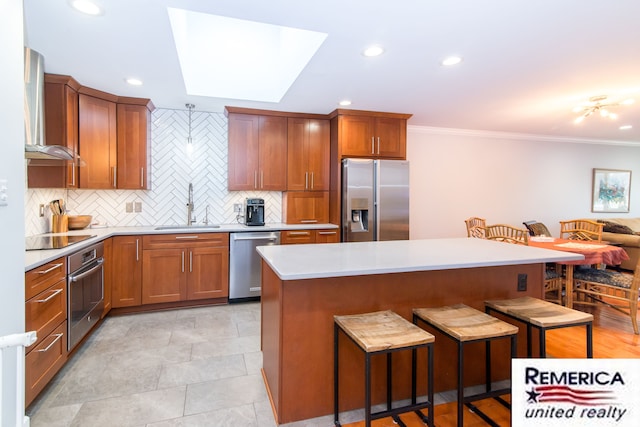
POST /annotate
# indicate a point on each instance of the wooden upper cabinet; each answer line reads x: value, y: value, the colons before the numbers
x: 133, y: 123
x: 371, y: 134
x: 257, y: 152
x: 98, y: 138
x: 308, y: 154
x: 61, y: 128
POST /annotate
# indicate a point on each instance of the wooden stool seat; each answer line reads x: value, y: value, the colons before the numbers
x: 382, y: 330
x: 465, y: 323
x: 385, y: 332
x: 542, y: 315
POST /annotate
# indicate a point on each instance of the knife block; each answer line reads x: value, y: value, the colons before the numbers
x: 59, y: 223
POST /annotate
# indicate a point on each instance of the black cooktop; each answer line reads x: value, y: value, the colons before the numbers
x: 35, y: 243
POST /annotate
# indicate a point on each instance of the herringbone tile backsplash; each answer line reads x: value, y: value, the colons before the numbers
x: 173, y: 168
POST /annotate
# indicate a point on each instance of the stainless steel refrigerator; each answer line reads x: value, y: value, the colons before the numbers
x: 375, y: 200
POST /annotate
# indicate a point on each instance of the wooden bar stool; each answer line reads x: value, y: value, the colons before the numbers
x: 385, y: 332
x: 466, y: 325
x: 542, y: 315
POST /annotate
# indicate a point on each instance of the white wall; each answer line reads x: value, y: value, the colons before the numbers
x: 506, y: 178
x: 12, y: 165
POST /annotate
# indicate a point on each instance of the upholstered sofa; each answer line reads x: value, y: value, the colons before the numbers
x: 626, y: 233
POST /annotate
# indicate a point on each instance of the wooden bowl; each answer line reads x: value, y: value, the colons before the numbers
x: 78, y: 222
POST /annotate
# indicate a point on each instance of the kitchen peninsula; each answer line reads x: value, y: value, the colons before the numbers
x: 303, y: 287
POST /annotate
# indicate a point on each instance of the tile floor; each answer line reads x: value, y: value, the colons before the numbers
x: 188, y: 368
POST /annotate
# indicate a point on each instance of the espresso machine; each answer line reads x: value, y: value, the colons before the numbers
x: 254, y: 212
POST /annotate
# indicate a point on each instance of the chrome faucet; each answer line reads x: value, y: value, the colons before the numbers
x: 191, y: 217
x: 205, y: 221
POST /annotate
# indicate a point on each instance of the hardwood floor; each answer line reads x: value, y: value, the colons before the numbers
x: 613, y: 338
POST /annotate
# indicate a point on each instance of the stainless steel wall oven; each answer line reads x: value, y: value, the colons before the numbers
x: 85, y: 276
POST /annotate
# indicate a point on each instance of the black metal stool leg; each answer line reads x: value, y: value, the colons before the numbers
x: 529, y: 342
x: 543, y: 343
x: 589, y: 340
x: 367, y: 390
x: 460, y: 384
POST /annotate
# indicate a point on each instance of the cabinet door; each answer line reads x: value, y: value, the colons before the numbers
x: 356, y: 136
x: 327, y: 236
x: 293, y: 237
x: 297, y: 154
x: 272, y: 173
x: 163, y: 275
x: 97, y: 132
x: 318, y: 155
x: 126, y: 268
x: 243, y: 152
x: 133, y: 125
x: 305, y: 207
x: 390, y: 138
x: 44, y: 361
x: 208, y: 273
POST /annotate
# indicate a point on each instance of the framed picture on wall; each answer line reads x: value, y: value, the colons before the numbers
x: 611, y: 189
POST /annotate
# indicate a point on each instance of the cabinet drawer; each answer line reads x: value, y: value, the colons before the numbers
x: 45, y: 311
x: 40, y: 278
x: 296, y: 237
x: 327, y: 236
x: 172, y: 241
x: 44, y: 361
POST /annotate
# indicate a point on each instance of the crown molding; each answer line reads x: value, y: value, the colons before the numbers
x: 428, y: 130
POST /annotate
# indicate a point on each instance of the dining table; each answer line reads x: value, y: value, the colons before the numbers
x: 594, y: 253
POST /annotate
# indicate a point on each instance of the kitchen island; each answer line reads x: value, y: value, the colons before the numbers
x: 304, y: 286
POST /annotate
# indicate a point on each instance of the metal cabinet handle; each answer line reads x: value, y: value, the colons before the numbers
x: 308, y: 221
x: 372, y: 145
x: 115, y: 177
x: 73, y: 174
x: 299, y: 233
x: 141, y: 177
x: 186, y: 237
x: 306, y: 180
x: 312, y: 180
x: 183, y: 261
x: 255, y: 179
x: 190, y: 261
x: 56, y: 292
x: 327, y: 232
x: 378, y: 145
x: 43, y: 350
x: 137, y: 249
x: 261, y: 179
x: 49, y: 270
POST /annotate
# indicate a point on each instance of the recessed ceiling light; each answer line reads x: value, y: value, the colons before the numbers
x: 232, y: 58
x: 134, y: 82
x: 626, y: 127
x: 345, y: 102
x: 451, y: 60
x: 86, y: 6
x: 373, y: 51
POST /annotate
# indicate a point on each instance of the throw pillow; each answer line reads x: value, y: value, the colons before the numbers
x: 612, y: 227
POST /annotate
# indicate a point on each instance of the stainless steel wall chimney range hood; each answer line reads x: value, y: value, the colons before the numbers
x: 35, y: 147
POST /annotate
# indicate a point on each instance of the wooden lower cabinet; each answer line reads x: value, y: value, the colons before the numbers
x: 126, y: 271
x: 46, y: 314
x: 309, y: 236
x: 183, y: 267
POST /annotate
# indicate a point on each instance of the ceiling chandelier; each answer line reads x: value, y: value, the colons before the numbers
x: 599, y: 104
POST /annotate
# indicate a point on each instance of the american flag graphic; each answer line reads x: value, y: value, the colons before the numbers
x: 566, y: 394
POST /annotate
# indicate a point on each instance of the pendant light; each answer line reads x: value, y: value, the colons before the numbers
x: 190, y: 107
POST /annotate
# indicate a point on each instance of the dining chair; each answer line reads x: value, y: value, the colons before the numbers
x: 476, y: 227
x: 581, y: 229
x: 507, y: 233
x: 537, y: 228
x: 615, y: 289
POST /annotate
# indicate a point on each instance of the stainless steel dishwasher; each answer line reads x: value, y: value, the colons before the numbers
x: 244, y: 263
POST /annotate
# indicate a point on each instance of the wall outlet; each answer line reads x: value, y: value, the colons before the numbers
x: 237, y: 207
x: 137, y: 207
x: 128, y: 207
x: 522, y: 282
x: 41, y: 211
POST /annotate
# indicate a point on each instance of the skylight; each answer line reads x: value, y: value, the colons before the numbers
x: 232, y: 58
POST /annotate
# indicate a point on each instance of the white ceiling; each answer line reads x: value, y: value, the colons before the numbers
x: 526, y: 63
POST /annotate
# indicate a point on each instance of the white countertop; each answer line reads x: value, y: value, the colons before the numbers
x: 37, y: 258
x: 294, y: 262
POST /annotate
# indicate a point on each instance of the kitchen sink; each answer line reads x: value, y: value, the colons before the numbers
x: 187, y: 227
